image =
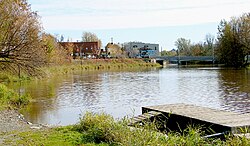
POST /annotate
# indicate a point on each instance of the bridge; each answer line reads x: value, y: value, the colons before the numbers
x: 184, y: 59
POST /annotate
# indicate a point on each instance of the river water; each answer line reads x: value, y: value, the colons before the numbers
x: 62, y: 100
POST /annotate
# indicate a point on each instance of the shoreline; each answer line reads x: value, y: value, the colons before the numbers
x: 12, y: 121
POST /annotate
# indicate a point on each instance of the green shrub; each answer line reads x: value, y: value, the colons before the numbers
x: 100, y: 128
x: 7, y: 77
x: 96, y: 128
x: 10, y: 98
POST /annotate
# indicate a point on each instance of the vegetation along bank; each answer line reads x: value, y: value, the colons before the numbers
x: 26, y: 51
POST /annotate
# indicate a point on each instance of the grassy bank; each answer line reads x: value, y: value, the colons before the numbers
x: 80, y: 65
x: 97, y: 64
x: 102, y: 129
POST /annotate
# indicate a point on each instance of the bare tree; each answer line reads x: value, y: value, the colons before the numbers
x: 209, y: 40
x: 91, y: 37
x: 209, y: 44
x: 20, y: 39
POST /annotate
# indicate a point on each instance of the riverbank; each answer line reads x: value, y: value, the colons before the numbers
x: 80, y: 65
x: 11, y: 122
x: 98, y: 64
x: 103, y: 130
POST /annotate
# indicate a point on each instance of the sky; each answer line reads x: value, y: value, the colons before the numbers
x: 149, y: 21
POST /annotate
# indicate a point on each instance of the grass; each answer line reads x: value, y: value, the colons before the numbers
x: 10, y: 77
x: 57, y: 136
x: 79, y: 65
x: 102, y: 129
x: 97, y: 64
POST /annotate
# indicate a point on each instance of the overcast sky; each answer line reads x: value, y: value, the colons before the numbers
x: 153, y: 21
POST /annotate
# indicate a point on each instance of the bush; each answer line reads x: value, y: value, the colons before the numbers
x: 96, y: 128
x: 99, y: 128
x: 10, y: 98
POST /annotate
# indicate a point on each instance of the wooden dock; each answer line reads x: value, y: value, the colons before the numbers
x: 180, y: 116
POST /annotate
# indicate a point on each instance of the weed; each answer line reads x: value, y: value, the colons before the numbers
x: 99, y: 128
x: 103, y: 130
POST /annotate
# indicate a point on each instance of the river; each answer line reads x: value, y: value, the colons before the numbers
x: 63, y: 99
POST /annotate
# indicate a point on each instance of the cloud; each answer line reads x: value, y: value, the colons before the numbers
x: 110, y: 14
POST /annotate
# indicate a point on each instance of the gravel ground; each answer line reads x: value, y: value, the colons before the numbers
x: 11, y: 120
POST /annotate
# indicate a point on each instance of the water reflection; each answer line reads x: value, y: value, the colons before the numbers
x: 236, y: 90
x: 122, y: 93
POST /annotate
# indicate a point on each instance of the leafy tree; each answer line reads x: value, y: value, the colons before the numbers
x: 233, y: 41
x: 114, y: 50
x: 20, y: 41
x: 169, y: 53
x: 91, y: 37
x: 183, y: 46
x: 197, y: 49
x: 54, y: 54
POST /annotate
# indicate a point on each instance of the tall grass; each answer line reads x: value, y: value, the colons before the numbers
x: 102, y: 129
x: 10, y: 77
x: 97, y: 64
x: 99, y: 128
x: 79, y: 65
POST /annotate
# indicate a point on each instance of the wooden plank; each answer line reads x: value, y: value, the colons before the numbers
x: 208, y: 115
x: 143, y: 117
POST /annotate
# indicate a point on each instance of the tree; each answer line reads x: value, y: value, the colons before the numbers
x: 91, y: 37
x: 20, y: 41
x: 244, y: 32
x: 209, y: 45
x: 183, y: 46
x: 233, y: 41
x: 197, y: 49
x: 172, y: 52
x: 54, y: 54
x: 114, y: 50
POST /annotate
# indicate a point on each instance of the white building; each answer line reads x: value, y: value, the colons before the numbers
x: 133, y: 49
